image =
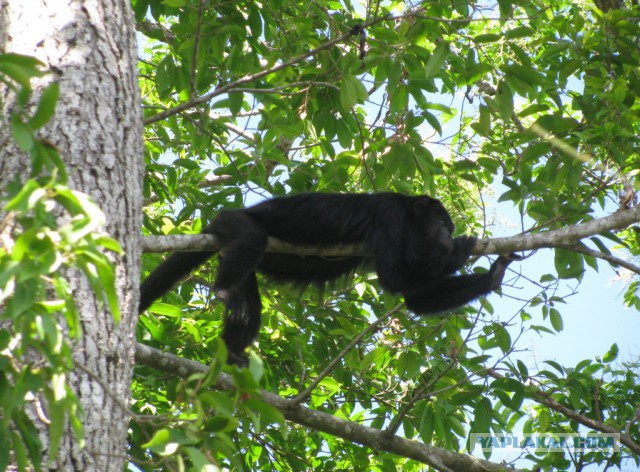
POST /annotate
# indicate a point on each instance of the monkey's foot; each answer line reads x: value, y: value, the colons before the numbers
x: 240, y: 360
x: 223, y: 294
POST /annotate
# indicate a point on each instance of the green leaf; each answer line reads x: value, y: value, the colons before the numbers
x: 56, y: 413
x: 269, y: 413
x: 522, y: 368
x: 255, y: 21
x: 166, y: 441
x: 483, y: 413
x: 19, y: 452
x: 556, y: 366
x: 503, y: 338
x: 399, y: 100
x: 109, y: 244
x: 236, y: 100
x: 30, y: 438
x: 351, y: 92
x: 22, y: 134
x: 26, y: 199
x: 484, y: 121
x: 433, y: 121
x: 487, y: 38
x: 165, y: 309
x: 569, y: 265
x: 518, y: 32
x: 556, y: 319
x: 256, y: 367
x: 46, y: 106
x: 611, y: 354
x: 5, y: 445
x: 28, y: 62
x: 395, y: 74
x: 18, y: 72
x: 107, y: 277
x: 436, y: 61
x: 426, y: 424
x: 220, y: 424
x: 78, y: 203
x: 200, y: 461
x: 504, y: 99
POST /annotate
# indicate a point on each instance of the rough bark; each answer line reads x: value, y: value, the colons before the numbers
x: 91, y: 48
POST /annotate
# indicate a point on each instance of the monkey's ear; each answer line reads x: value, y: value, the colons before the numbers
x: 423, y: 205
x: 432, y: 208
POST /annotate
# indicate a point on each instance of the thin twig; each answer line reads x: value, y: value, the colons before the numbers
x: 244, y: 80
x: 582, y: 249
x: 302, y: 395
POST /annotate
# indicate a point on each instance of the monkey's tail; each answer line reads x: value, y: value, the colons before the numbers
x: 166, y: 275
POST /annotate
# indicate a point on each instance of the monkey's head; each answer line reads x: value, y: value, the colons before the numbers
x: 436, y: 222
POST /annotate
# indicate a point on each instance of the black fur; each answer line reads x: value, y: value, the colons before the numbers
x: 410, y: 239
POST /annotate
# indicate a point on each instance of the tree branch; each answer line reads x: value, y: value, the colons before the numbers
x: 559, y: 237
x: 547, y: 400
x: 229, y: 87
x: 616, y: 261
x: 555, y: 238
x: 439, y: 459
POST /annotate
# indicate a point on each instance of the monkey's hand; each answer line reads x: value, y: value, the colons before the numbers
x: 499, y: 267
x: 463, y: 245
x: 241, y: 361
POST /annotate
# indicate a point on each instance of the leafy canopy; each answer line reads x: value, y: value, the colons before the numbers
x: 528, y: 106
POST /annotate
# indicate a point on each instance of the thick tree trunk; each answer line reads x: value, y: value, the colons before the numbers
x: 90, y: 46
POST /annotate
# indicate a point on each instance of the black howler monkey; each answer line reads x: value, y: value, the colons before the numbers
x: 409, y: 239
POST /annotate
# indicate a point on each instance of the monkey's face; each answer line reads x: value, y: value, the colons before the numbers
x: 443, y: 236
